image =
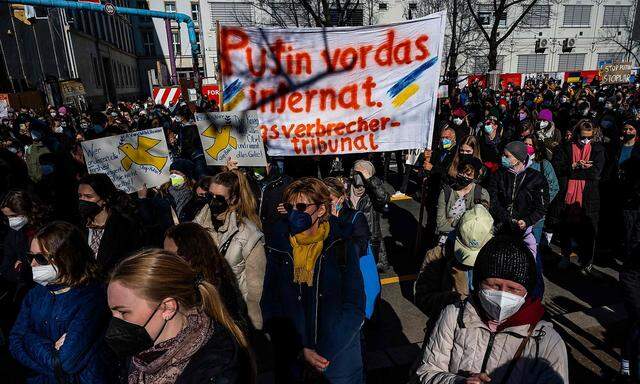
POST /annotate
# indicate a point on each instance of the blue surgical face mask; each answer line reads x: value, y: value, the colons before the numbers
x: 488, y: 128
x: 338, y: 207
x: 299, y: 221
x: 506, y: 162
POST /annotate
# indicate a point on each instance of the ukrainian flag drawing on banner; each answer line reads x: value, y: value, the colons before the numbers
x: 407, y: 86
x: 232, y: 95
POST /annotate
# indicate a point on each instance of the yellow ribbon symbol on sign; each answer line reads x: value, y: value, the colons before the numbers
x: 141, y: 155
x: 223, y: 139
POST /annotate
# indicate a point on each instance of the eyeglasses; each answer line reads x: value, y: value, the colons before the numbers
x: 38, y: 257
x: 298, y: 206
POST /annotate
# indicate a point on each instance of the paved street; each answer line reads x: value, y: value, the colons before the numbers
x: 585, y: 310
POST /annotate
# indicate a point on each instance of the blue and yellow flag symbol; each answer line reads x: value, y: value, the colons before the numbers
x: 141, y: 155
x: 406, y: 87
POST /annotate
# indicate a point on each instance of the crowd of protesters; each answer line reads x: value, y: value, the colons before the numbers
x: 239, y: 275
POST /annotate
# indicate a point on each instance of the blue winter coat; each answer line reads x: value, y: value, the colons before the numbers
x: 49, y: 312
x: 326, y: 317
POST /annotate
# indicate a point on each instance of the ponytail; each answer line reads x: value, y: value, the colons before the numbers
x: 247, y: 204
x: 213, y: 306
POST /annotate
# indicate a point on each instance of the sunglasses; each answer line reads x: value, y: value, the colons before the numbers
x: 301, y: 207
x: 38, y: 257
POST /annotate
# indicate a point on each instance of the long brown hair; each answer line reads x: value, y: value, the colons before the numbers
x: 156, y: 274
x: 69, y: 251
x: 196, y: 246
x: 240, y: 195
x: 471, y: 141
x: 23, y: 203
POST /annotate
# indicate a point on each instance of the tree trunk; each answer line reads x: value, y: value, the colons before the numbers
x: 493, y: 57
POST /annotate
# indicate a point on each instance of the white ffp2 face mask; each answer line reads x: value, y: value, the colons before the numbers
x: 500, y: 305
x: 17, y: 222
x: 44, y: 274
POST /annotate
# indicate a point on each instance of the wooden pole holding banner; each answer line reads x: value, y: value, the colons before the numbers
x: 220, y: 82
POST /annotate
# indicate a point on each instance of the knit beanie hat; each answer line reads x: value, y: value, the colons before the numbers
x: 459, y: 112
x: 545, y: 115
x: 518, y: 149
x: 508, y: 258
x: 185, y: 167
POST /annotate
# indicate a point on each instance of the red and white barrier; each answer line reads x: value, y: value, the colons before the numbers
x: 168, y: 96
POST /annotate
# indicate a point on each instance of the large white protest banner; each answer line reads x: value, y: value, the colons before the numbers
x: 327, y: 91
x: 231, y: 134
x: 130, y: 160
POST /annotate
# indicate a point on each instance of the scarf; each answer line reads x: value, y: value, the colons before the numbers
x: 575, y: 188
x: 181, y: 195
x: 163, y: 363
x: 306, y: 249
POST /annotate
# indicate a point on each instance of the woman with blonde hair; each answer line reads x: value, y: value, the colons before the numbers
x: 235, y: 227
x: 314, y: 303
x: 172, y: 324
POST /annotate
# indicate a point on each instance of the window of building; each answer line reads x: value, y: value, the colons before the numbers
x: 413, y: 6
x: 195, y: 11
x: 231, y: 13
x: 177, y: 46
x: 577, y: 15
x: 354, y: 17
x: 481, y: 64
x: 147, y: 42
x: 289, y: 13
x: 169, y: 6
x: 198, y: 42
x: 610, y: 58
x: 616, y: 15
x: 538, y: 16
x: 486, y: 16
x: 571, y: 62
x: 96, y: 72
x: 531, y: 63
x: 383, y: 6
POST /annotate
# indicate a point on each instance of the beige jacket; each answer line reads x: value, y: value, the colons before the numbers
x: 452, y: 351
x: 245, y: 254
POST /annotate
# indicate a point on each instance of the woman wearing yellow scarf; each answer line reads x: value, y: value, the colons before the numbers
x: 313, y: 302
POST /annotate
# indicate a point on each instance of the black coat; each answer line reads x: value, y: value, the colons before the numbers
x: 122, y: 236
x: 271, y: 191
x: 564, y: 172
x: 221, y: 360
x: 491, y: 151
x: 518, y: 197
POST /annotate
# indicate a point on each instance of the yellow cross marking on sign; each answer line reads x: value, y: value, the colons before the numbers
x: 141, y: 155
x: 223, y: 139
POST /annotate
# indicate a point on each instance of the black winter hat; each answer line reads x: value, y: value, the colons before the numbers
x: 508, y: 258
x: 184, y: 166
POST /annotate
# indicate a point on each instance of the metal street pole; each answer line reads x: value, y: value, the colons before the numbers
x: 172, y: 55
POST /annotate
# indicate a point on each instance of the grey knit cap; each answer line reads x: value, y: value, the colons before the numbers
x: 518, y: 149
x: 508, y: 258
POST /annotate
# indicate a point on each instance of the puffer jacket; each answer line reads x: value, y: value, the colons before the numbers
x: 524, y: 196
x: 47, y: 313
x: 461, y: 342
x: 244, y: 244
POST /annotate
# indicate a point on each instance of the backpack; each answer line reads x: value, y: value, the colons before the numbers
x: 370, y: 276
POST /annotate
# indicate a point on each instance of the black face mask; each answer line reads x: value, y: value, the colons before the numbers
x: 88, y: 209
x: 628, y: 136
x: 201, y: 201
x: 128, y: 339
x: 460, y: 182
x: 218, y: 205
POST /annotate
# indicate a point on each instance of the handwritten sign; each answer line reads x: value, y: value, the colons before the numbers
x: 231, y: 134
x: 4, y: 105
x: 72, y: 88
x: 336, y: 90
x: 616, y: 73
x: 130, y: 160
